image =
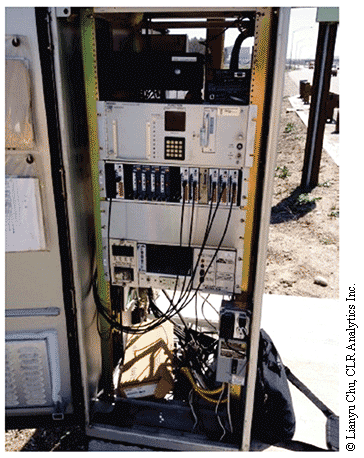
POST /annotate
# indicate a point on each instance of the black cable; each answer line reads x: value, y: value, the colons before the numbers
x: 204, y: 242
x: 245, y: 32
x: 189, y: 238
x: 193, y: 207
x: 215, y: 254
x: 190, y: 233
x: 196, y: 313
x: 180, y: 233
x: 102, y: 310
x: 187, y: 340
x: 177, y: 329
x: 173, y: 309
x: 184, y: 304
x: 207, y: 231
x: 108, y: 244
x: 206, y: 235
x: 180, y: 332
x: 180, y: 316
x: 237, y: 22
x: 183, y: 334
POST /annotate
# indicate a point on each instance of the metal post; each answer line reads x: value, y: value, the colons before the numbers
x: 88, y: 42
x: 317, y: 117
x: 278, y: 78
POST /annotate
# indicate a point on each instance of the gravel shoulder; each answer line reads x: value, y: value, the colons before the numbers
x: 303, y: 246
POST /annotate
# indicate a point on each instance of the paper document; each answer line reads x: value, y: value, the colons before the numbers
x: 23, y: 215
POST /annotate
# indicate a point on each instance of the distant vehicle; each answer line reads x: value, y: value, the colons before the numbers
x: 334, y: 70
x: 311, y: 65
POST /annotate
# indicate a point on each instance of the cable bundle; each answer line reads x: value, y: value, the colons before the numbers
x: 174, y: 307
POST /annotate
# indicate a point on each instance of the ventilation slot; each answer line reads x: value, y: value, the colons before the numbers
x: 27, y: 379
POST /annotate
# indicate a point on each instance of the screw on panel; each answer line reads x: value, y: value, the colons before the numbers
x: 29, y: 159
x: 63, y: 12
x: 15, y: 42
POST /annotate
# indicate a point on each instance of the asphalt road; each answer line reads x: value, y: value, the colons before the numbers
x: 307, y: 74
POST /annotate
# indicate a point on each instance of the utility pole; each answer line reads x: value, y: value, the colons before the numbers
x: 328, y: 19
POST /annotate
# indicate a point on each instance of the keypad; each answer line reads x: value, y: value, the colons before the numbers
x: 174, y: 148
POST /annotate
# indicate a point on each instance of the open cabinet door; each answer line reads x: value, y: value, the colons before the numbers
x: 43, y: 381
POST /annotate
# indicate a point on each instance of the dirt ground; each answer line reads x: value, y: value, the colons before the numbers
x: 303, y: 247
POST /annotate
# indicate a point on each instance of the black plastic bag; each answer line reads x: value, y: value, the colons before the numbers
x: 273, y: 417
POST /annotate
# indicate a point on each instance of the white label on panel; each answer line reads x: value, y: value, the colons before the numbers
x: 23, y: 215
x: 250, y: 140
x: 184, y: 59
x: 115, y: 137
x: 228, y: 111
x: 140, y: 391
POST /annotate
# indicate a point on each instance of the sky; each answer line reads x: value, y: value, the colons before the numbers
x: 302, y: 36
x: 303, y: 31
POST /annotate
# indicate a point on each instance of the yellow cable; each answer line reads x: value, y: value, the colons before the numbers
x: 202, y: 392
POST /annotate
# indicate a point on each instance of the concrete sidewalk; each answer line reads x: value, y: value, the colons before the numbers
x: 331, y: 139
x: 306, y: 333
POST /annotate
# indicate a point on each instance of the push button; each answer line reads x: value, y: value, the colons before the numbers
x: 174, y: 148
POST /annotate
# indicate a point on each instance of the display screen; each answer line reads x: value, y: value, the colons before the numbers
x: 175, y: 121
x: 122, y: 250
x: 169, y: 260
